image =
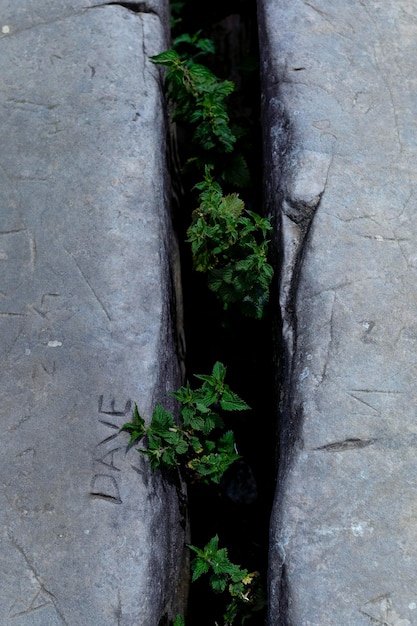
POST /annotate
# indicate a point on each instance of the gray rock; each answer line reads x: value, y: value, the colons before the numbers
x: 88, y: 535
x: 340, y: 114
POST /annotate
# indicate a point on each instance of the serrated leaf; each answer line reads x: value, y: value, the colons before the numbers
x: 197, y: 422
x: 187, y: 413
x: 172, y: 437
x: 182, y: 447
x: 184, y: 394
x: 218, y: 583
x: 197, y: 550
x: 232, y: 205
x: 199, y: 567
x: 202, y: 73
x: 230, y: 401
x: 196, y: 444
x: 136, y: 428
x: 206, y: 45
x: 167, y: 58
x: 202, y: 407
x: 226, y: 443
x: 162, y: 419
x: 213, y: 545
x: 219, y: 371
x: 210, y: 422
x: 169, y: 457
x: 184, y: 38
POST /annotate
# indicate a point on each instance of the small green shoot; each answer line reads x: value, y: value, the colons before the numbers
x: 224, y: 576
x: 176, y: 8
x: 201, y: 45
x: 136, y: 428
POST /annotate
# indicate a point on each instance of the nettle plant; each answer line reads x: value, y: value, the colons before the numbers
x: 243, y: 587
x: 197, y: 444
x: 199, y: 96
x: 228, y: 242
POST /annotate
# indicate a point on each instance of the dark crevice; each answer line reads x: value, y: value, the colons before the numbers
x: 293, y: 224
x: 353, y: 443
x: 284, y: 595
x: 164, y: 621
x: 239, y: 509
x: 294, y: 220
x: 135, y: 7
x: 293, y: 420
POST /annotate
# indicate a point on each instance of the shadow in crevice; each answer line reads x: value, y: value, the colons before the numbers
x: 239, y: 509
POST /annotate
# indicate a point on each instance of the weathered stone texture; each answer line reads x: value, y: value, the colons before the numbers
x: 88, y: 535
x: 340, y: 113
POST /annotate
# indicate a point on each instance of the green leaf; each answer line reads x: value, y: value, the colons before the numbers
x: 227, y: 443
x: 216, y: 378
x: 211, y: 467
x: 219, y: 372
x: 198, y: 551
x: 184, y: 394
x: 184, y: 38
x: 232, y: 206
x: 197, y: 422
x: 230, y: 401
x: 169, y: 458
x: 136, y: 428
x: 202, y: 75
x: 199, y: 567
x: 196, y: 445
x: 162, y: 420
x: 182, y: 447
x: 187, y: 412
x: 206, y: 45
x: 202, y: 406
x: 212, y: 546
x: 167, y: 58
x: 201, y: 44
x: 211, y: 421
x: 178, y: 621
x: 172, y: 436
x: 218, y: 583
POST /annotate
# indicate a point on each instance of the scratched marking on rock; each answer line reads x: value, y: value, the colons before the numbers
x: 20, y: 607
x: 104, y: 483
x: 105, y: 486
x: 42, y: 597
x: 366, y: 398
x: 380, y: 611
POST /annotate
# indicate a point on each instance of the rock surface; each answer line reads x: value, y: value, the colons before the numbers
x: 340, y: 113
x: 88, y: 535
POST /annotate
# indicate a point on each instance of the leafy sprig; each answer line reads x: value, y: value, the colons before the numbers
x: 224, y: 576
x: 199, y: 96
x: 201, y: 45
x: 230, y: 243
x: 197, y: 443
